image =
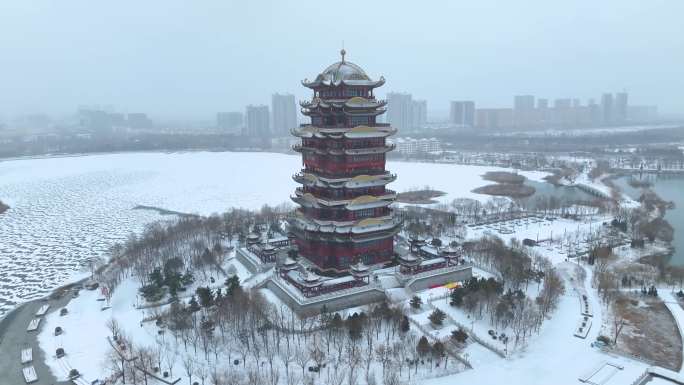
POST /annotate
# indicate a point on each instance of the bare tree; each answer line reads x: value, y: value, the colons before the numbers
x: 302, y: 357
x: 618, y: 321
x: 189, y: 366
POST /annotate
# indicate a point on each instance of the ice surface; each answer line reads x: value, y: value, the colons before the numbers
x: 66, y: 210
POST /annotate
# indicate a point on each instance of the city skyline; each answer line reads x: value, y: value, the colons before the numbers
x: 572, y: 49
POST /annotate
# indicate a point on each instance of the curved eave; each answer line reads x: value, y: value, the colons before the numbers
x: 362, y: 112
x: 361, y: 102
x: 382, y: 224
x: 370, y: 205
x: 352, y: 182
x: 318, y: 83
x: 371, y: 150
x: 351, y: 151
x: 370, y: 134
x: 312, y: 201
x: 348, y: 132
x: 356, y: 102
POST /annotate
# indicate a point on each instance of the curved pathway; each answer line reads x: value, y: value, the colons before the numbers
x: 678, y: 313
x: 14, y: 338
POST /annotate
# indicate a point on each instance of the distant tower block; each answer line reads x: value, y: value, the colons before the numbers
x: 344, y: 215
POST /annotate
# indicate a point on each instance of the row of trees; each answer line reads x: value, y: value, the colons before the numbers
x: 231, y: 335
x: 237, y: 337
x: 187, y: 243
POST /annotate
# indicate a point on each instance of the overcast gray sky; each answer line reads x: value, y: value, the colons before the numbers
x: 192, y: 58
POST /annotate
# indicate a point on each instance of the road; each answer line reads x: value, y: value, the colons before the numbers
x: 14, y: 338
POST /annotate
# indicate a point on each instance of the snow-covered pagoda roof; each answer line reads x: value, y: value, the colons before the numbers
x: 359, y: 270
x: 359, y: 203
x: 310, y: 278
x: 289, y: 264
x: 309, y: 131
x: 350, y: 182
x: 368, y: 225
x: 350, y: 151
x: 409, y: 260
x: 450, y: 251
x: 355, y: 102
x: 343, y: 72
x: 268, y: 248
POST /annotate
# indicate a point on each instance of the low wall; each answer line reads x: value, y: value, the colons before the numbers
x: 251, y: 263
x: 439, y: 277
x: 312, y: 306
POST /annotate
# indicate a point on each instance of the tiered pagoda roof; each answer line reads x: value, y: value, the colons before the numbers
x: 309, y: 179
x: 343, y: 73
x: 358, y: 203
x: 309, y: 131
x: 344, y: 212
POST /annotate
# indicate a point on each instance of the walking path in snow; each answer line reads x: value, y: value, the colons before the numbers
x: 554, y: 356
x: 677, y: 312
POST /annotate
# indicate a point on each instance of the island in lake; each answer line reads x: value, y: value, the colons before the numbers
x: 507, y: 184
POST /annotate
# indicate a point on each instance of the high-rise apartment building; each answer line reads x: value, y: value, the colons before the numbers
x: 462, y: 113
x: 399, y: 106
x: 523, y: 110
x: 284, y: 114
x: 607, y: 108
x: 257, y: 121
x: 621, y: 100
x: 418, y: 113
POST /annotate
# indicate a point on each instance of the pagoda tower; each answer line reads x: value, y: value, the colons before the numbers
x: 344, y: 215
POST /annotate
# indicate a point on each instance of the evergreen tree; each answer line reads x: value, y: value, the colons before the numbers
x: 457, y: 297
x: 405, y: 325
x: 194, y: 306
x: 156, y: 277
x: 459, y: 335
x: 187, y: 279
x: 438, y: 350
x: 416, y: 302
x: 355, y: 326
x: 423, y: 347
x: 206, y: 298
x: 437, y: 317
x: 232, y: 284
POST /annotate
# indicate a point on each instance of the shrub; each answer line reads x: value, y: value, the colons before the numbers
x: 606, y: 340
x: 459, y: 335
x: 437, y: 317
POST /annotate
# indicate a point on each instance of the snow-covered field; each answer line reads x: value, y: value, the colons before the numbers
x: 554, y: 356
x: 65, y: 210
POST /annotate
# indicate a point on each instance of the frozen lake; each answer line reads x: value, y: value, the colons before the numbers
x: 65, y: 210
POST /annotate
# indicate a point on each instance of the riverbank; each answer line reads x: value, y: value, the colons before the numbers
x: 14, y: 337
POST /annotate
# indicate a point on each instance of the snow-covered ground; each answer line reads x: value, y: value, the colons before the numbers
x: 68, y: 197
x: 554, y: 356
x: 561, y: 236
x: 84, y: 339
x: 65, y: 210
